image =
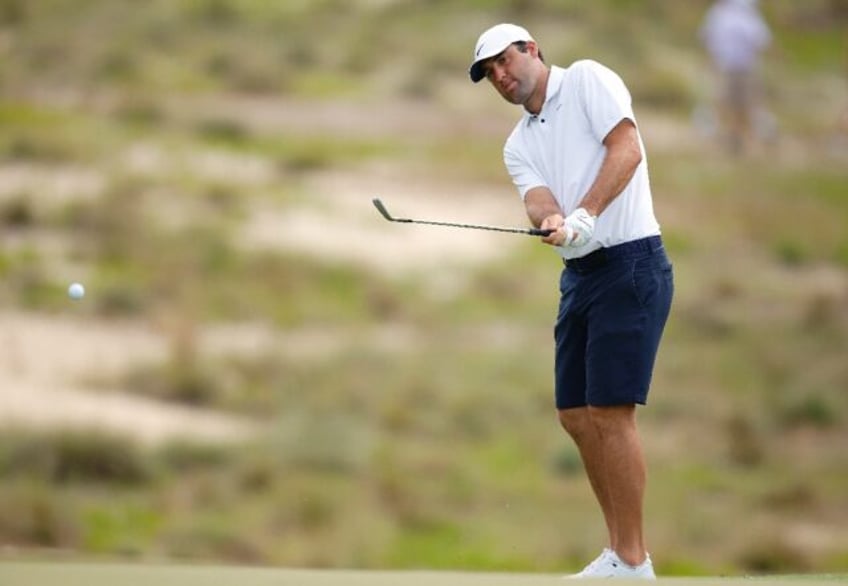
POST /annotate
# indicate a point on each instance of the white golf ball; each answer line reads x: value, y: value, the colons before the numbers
x: 76, y: 291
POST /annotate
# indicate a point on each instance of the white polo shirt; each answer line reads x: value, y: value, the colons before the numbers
x: 562, y: 149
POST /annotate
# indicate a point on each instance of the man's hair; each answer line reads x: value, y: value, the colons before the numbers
x: 522, y: 46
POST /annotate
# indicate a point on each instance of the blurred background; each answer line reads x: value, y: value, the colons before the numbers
x: 264, y: 371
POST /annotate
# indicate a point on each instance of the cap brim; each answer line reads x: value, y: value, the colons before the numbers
x: 476, y: 71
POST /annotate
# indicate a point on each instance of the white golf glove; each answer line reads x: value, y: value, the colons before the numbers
x: 578, y: 227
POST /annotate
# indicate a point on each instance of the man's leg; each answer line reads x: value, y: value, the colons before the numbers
x: 578, y: 423
x: 622, y: 477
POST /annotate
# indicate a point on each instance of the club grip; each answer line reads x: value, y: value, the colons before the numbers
x: 540, y: 232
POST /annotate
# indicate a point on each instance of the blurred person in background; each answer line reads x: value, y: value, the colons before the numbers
x: 578, y: 162
x: 735, y: 35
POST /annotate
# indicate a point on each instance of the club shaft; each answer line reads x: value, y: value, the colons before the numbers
x: 385, y: 213
x: 532, y: 231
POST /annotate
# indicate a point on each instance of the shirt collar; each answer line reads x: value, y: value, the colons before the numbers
x: 554, y: 85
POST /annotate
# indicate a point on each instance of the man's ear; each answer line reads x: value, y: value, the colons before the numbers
x: 533, y: 49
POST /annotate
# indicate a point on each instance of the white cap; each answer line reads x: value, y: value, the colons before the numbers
x: 494, y: 41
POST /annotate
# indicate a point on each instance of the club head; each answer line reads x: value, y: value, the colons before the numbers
x: 382, y: 209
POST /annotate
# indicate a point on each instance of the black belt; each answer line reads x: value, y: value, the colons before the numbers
x: 602, y: 256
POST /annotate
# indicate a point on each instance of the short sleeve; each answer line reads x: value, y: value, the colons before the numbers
x: 604, y: 97
x: 523, y: 174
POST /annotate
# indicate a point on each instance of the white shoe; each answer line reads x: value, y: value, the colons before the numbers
x: 593, y: 567
x: 609, y: 565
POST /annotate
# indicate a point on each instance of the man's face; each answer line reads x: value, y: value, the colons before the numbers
x: 512, y: 73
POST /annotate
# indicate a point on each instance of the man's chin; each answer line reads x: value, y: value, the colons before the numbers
x: 512, y: 98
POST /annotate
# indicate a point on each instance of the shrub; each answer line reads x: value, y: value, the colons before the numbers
x: 34, y: 516
x: 71, y: 456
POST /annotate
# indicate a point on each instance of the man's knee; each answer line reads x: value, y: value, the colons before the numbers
x: 576, y: 422
x: 612, y: 419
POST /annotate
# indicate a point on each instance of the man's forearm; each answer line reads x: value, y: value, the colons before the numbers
x: 623, y: 157
x: 540, y: 203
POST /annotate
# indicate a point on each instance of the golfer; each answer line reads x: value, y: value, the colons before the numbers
x: 579, y: 164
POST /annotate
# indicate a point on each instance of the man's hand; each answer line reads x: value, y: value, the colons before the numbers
x: 578, y: 227
x: 575, y: 230
x: 554, y: 223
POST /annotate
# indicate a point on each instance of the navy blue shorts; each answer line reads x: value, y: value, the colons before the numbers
x: 613, y: 307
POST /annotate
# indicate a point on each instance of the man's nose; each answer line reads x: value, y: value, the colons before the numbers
x: 497, y: 73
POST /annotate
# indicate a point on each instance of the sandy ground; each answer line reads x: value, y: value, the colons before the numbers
x: 341, y: 222
x: 48, y: 358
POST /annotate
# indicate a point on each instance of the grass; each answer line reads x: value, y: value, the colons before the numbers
x: 88, y: 574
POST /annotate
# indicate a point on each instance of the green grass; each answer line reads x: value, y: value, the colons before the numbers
x: 49, y: 574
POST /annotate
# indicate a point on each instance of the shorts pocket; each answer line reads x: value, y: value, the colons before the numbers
x: 653, y: 282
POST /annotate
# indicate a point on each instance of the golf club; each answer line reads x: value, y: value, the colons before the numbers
x: 385, y: 213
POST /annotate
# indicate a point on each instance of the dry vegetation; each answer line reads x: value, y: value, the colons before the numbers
x: 264, y: 371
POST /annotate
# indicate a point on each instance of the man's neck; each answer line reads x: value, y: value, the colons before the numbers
x: 537, y: 99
